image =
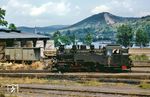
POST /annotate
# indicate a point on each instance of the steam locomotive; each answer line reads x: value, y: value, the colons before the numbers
x: 79, y: 58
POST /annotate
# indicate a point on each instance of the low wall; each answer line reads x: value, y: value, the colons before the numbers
x: 139, y: 51
x: 141, y: 63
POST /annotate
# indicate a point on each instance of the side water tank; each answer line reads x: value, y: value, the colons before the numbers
x: 83, y: 47
x: 92, y: 47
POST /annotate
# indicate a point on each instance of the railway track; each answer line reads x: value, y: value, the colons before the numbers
x: 128, y: 78
x: 46, y: 71
x: 80, y: 75
x: 86, y: 90
x: 134, y: 77
x: 134, y: 70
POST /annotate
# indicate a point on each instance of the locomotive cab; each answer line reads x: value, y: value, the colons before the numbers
x: 118, y: 58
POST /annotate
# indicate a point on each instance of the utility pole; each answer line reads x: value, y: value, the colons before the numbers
x: 35, y: 30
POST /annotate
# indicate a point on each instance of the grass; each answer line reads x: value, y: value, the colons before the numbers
x: 90, y: 83
x: 16, y: 66
x: 142, y: 57
x: 27, y: 80
x: 3, y: 95
x: 144, y: 85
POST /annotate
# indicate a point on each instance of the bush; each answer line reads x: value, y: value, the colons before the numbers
x: 2, y: 95
x: 142, y: 57
x: 144, y: 85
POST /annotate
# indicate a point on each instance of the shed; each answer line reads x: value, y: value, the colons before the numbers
x: 19, y: 41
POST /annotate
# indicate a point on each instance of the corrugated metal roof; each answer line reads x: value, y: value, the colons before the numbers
x: 21, y: 35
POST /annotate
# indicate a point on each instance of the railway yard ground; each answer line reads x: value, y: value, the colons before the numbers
x: 81, y: 84
x: 100, y: 90
x: 43, y: 83
x: 35, y: 87
x: 141, y: 69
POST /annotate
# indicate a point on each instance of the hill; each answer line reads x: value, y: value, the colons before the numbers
x: 104, y: 18
x: 102, y: 26
x: 46, y: 29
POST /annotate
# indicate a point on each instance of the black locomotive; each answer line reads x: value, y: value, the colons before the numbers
x: 79, y: 58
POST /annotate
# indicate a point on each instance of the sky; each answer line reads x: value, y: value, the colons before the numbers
x: 41, y: 13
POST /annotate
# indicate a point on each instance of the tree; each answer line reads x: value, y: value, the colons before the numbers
x: 88, y: 39
x: 56, y: 37
x: 124, y: 35
x: 2, y: 15
x: 60, y: 39
x: 141, y: 37
x: 147, y: 27
x: 65, y: 40
x: 12, y: 26
x: 72, y: 38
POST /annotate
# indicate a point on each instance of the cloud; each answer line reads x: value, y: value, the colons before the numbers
x: 101, y: 8
x: 51, y: 8
x: 143, y: 13
x: 122, y: 8
x: 77, y: 7
x: 36, y: 11
x: 16, y: 7
x: 53, y: 12
x: 124, y: 4
x: 60, y: 9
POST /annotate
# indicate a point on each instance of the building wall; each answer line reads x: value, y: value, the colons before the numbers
x: 2, y: 51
